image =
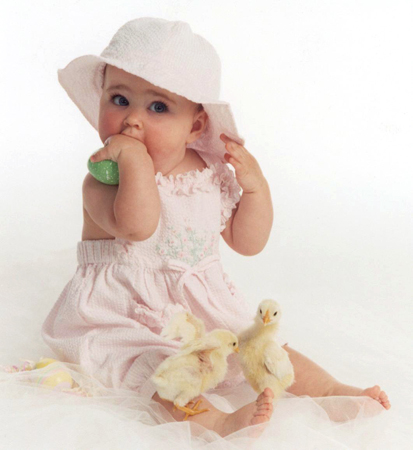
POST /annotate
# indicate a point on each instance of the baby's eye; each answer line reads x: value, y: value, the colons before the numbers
x: 160, y: 107
x: 121, y: 98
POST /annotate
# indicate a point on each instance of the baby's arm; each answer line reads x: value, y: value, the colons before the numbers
x: 132, y: 209
x: 137, y: 204
x: 249, y: 226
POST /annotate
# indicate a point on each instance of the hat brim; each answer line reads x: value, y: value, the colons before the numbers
x: 82, y: 80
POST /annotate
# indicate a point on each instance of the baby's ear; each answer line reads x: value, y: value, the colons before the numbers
x: 198, y: 126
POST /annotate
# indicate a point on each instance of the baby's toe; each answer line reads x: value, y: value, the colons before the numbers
x: 264, y: 409
x: 384, y: 400
x: 372, y: 392
x: 375, y: 391
x: 260, y: 397
x: 268, y: 393
x: 266, y: 397
x: 263, y: 413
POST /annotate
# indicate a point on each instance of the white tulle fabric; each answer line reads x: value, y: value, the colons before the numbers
x: 93, y: 416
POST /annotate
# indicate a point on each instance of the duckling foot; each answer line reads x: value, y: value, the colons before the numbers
x: 191, y: 412
x: 189, y: 403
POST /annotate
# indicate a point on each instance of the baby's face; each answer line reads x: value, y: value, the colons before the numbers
x: 163, y: 125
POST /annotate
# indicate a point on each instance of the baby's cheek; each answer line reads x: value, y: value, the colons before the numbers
x: 168, y: 130
x: 108, y: 123
x: 161, y: 141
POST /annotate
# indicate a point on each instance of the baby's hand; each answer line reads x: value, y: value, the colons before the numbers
x: 116, y: 144
x: 247, y: 169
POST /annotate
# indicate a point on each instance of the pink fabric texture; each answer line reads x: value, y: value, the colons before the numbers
x: 110, y: 314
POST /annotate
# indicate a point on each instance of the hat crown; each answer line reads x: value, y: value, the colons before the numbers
x: 167, y: 54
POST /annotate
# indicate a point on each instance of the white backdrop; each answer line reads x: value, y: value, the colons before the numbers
x: 322, y: 94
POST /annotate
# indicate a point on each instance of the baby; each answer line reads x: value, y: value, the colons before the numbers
x: 150, y: 246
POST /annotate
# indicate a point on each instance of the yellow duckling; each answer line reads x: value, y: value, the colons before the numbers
x: 199, y: 365
x: 264, y: 362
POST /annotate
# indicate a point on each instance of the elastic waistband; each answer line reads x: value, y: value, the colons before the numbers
x: 96, y: 251
x: 101, y: 251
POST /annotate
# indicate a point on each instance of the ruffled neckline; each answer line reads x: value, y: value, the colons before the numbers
x: 190, y: 174
x: 189, y: 182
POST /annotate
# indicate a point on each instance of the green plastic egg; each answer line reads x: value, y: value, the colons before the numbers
x: 106, y: 171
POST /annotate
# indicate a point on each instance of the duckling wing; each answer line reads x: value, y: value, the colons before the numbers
x: 198, y: 345
x: 201, y: 351
x: 275, y: 361
x: 184, y: 326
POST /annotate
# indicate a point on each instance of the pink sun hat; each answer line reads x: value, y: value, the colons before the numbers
x: 167, y: 54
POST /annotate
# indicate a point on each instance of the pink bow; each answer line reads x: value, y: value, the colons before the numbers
x: 188, y: 270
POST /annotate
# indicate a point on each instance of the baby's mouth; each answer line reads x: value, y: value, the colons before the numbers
x: 130, y: 135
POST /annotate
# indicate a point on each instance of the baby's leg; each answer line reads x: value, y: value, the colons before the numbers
x: 222, y: 423
x: 314, y: 381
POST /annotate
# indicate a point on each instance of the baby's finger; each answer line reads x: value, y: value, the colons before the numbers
x: 243, y: 150
x: 232, y: 157
x: 234, y: 162
x: 100, y: 155
x: 224, y: 137
x: 227, y: 140
x: 95, y: 157
x: 239, y: 155
x: 233, y: 148
x: 236, y: 149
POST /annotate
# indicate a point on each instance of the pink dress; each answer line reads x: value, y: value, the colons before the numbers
x: 109, y: 316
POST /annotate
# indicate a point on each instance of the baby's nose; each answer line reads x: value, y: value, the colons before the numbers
x: 134, y: 119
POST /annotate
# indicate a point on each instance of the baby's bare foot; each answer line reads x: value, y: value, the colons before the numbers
x: 374, y: 392
x: 258, y: 412
x: 254, y: 413
x: 379, y: 395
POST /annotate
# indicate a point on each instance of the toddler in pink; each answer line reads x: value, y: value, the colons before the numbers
x: 109, y: 316
x: 150, y: 246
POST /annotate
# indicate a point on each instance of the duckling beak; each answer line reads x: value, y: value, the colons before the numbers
x: 266, y: 318
x: 236, y: 350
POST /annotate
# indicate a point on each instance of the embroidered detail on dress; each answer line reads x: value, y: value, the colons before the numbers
x: 187, y: 244
x: 231, y: 286
x: 204, y: 181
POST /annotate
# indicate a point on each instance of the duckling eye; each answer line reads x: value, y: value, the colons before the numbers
x: 233, y: 344
x: 275, y: 313
x: 260, y: 312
